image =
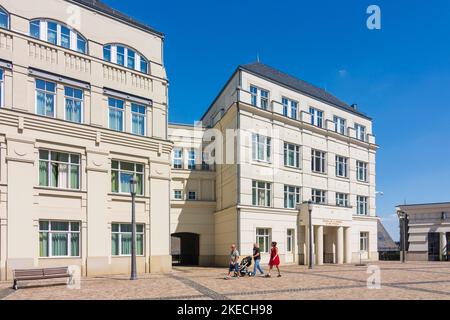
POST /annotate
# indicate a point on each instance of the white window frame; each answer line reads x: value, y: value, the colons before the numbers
x: 8, y: 19
x: 341, y: 163
x: 135, y: 173
x: 192, y: 159
x: 141, y: 115
x: 361, y: 169
x: 74, y: 99
x: 137, y: 57
x: 321, y: 156
x: 316, y: 117
x: 342, y: 199
x: 266, y: 189
x: 2, y: 88
x: 318, y: 196
x: 175, y: 194
x: 69, y: 165
x: 340, y: 125
x: 265, y: 234
x: 45, y: 92
x: 192, y: 193
x: 288, y: 106
x: 291, y: 191
x: 258, y: 99
x: 360, y: 131
x: 290, y: 238
x: 180, y: 158
x: 364, y: 241
x: 362, y: 205
x: 259, y: 141
x: 120, y: 233
x: 69, y: 238
x: 296, y: 153
x: 116, y: 109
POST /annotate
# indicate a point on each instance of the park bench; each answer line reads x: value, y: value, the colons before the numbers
x: 40, y: 274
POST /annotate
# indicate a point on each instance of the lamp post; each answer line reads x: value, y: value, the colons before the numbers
x: 133, y: 183
x: 402, y: 216
x: 310, y: 262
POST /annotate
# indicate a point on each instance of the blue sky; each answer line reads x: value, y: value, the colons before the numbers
x: 399, y: 75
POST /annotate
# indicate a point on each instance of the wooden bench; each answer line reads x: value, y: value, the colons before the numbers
x: 40, y: 274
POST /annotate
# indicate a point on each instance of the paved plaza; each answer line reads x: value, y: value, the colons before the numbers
x: 430, y: 281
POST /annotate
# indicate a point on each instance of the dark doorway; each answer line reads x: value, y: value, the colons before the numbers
x: 433, y: 246
x: 185, y: 249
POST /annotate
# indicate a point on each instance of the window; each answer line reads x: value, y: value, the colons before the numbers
x: 4, y: 19
x: 138, y: 118
x: 116, y: 108
x: 59, y: 170
x: 59, y: 239
x: 289, y: 108
x: 364, y: 241
x: 260, y: 147
x: 178, y: 158
x: 58, y: 34
x: 316, y: 117
x: 318, y: 196
x: 291, y: 197
x: 339, y: 125
x: 263, y: 239
x: 74, y: 104
x: 318, y: 161
x: 2, y: 88
x: 192, y: 195
x: 178, y: 195
x: 341, y: 167
x: 342, y: 199
x: 290, y: 240
x: 291, y: 155
x: 260, y: 97
x: 261, y: 193
x: 191, y: 159
x: 121, y: 239
x: 360, y: 132
x: 361, y: 206
x: 124, y: 56
x: 45, y: 98
x: 361, y: 171
x: 121, y: 175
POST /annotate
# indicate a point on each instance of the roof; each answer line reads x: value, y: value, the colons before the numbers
x: 435, y: 204
x: 385, y: 242
x: 299, y: 85
x: 100, y: 6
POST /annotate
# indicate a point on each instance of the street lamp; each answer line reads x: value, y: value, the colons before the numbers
x: 133, y: 183
x: 402, y: 216
x: 310, y: 207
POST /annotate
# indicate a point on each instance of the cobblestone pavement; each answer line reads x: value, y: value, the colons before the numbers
x: 418, y: 280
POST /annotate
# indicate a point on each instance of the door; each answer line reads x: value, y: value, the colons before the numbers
x: 433, y: 246
x: 185, y: 249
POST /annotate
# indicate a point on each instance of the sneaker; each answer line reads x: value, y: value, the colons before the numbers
x: 279, y: 276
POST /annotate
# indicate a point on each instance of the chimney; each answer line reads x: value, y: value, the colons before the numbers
x: 354, y: 106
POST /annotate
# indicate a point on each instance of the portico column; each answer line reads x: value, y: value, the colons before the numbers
x: 307, y: 244
x: 348, y: 247
x: 319, y: 244
x: 340, y: 245
x: 444, y: 244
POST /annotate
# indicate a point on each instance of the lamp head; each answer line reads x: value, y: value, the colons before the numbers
x: 133, y: 183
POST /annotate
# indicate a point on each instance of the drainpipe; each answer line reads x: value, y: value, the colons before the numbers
x: 238, y: 159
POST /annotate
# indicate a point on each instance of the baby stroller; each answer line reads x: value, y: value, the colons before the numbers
x: 244, y: 267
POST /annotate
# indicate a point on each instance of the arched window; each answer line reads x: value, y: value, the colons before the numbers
x: 58, y: 34
x: 125, y: 56
x: 4, y: 18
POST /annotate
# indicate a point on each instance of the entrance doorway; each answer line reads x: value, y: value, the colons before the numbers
x: 433, y: 246
x: 185, y: 249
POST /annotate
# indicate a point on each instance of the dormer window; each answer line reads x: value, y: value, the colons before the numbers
x: 125, y: 57
x: 4, y: 19
x: 58, y: 34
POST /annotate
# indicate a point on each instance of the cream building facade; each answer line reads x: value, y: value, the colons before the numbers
x: 277, y: 142
x: 84, y: 108
x: 427, y: 231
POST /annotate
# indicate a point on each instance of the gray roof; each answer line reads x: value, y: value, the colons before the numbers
x: 385, y: 242
x: 296, y: 84
x: 100, y: 6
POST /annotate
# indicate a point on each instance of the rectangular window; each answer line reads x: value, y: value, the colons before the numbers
x: 131, y: 63
x: 116, y: 110
x: 107, y: 53
x: 289, y: 108
x: 191, y: 159
x: 290, y: 240
x: 361, y: 171
x: 318, y: 196
x: 178, y: 158
x: 362, y: 206
x: 178, y: 195
x: 59, y: 170
x: 339, y: 125
x: 261, y: 193
x: 316, y: 117
x: 120, y: 55
x: 342, y: 199
x: 291, y: 155
x: 59, y: 239
x: 260, y: 147
x: 65, y: 37
x: 138, y: 118
x: 52, y: 32
x: 2, y: 88
x: 291, y: 197
x: 360, y: 132
x: 144, y: 65
x: 74, y: 104
x: 318, y: 163
x: 81, y: 44
x: 35, y: 29
x: 121, y: 174
x: 364, y: 241
x: 45, y: 98
x: 263, y: 239
x: 259, y: 97
x: 192, y: 195
x: 341, y: 167
x: 121, y: 239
